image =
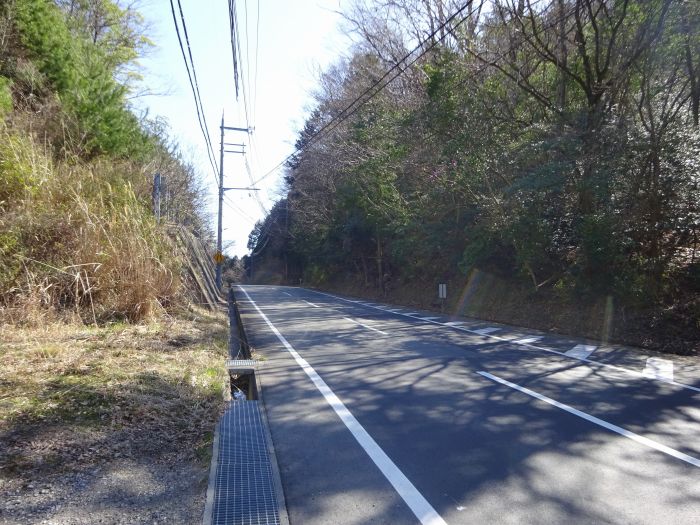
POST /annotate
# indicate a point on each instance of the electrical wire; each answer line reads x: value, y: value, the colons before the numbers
x: 257, y: 53
x: 236, y: 45
x: 247, y: 53
x: 357, y: 103
x: 192, y: 76
x: 232, y: 24
x: 250, y: 177
x: 233, y: 206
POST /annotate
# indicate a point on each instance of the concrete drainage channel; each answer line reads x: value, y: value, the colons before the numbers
x: 244, y: 481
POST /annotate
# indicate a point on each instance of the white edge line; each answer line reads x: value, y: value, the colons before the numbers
x: 544, y: 349
x: 600, y: 422
x: 425, y: 513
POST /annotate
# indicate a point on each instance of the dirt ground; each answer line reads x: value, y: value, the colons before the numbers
x: 109, y: 425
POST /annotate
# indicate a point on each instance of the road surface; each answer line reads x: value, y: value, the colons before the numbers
x: 388, y: 415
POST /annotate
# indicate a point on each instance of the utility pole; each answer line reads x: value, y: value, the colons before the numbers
x: 219, y: 256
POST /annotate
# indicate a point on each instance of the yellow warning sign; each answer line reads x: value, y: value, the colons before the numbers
x: 218, y: 257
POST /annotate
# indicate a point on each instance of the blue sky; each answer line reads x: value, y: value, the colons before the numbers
x: 296, y: 38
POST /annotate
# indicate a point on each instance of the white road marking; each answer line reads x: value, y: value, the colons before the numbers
x: 428, y: 318
x: 485, y: 331
x: 453, y: 323
x: 425, y: 513
x: 527, y: 340
x: 285, y: 293
x: 395, y: 311
x: 635, y: 373
x: 600, y: 422
x: 581, y: 351
x: 364, y: 325
x: 659, y: 369
x: 307, y: 302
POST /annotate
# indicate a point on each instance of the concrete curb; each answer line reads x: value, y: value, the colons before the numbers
x: 209, y: 505
x: 277, y: 478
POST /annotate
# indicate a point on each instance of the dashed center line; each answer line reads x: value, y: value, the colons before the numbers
x: 312, y: 304
x: 581, y: 351
x: 486, y: 331
x: 528, y: 340
x: 365, y: 326
x: 635, y: 373
x: 659, y: 369
x: 600, y: 422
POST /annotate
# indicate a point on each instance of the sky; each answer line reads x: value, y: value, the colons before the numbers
x: 296, y: 39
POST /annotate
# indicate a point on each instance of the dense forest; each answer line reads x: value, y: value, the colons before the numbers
x: 551, y: 145
x: 77, y: 164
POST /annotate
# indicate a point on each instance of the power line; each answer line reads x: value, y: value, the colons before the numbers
x: 232, y: 24
x: 194, y: 75
x: 194, y: 84
x: 234, y: 207
x: 358, y: 102
x: 264, y: 230
x: 250, y: 177
x: 236, y: 50
x: 247, y: 52
x: 257, y: 52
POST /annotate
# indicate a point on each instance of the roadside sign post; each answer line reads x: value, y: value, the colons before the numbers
x: 442, y: 295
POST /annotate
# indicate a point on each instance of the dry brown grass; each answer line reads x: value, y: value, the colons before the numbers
x: 80, y: 237
x: 72, y: 395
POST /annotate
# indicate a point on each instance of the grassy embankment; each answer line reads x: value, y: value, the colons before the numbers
x: 73, y: 396
x: 102, y: 354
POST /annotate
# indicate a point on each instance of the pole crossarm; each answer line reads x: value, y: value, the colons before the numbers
x: 219, y: 257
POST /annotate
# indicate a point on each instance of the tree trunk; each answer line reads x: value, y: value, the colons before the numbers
x: 561, y: 56
x: 380, y: 270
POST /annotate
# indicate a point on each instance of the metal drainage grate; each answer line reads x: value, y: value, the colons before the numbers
x: 244, y: 491
x: 241, y: 363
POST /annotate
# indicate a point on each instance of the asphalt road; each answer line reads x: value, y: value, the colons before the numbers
x: 389, y: 417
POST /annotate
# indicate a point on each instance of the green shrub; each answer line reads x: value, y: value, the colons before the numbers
x: 18, y: 175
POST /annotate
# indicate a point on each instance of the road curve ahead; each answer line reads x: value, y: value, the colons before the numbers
x: 385, y: 415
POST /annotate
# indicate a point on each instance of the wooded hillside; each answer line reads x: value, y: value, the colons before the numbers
x: 550, y: 144
x: 77, y: 230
